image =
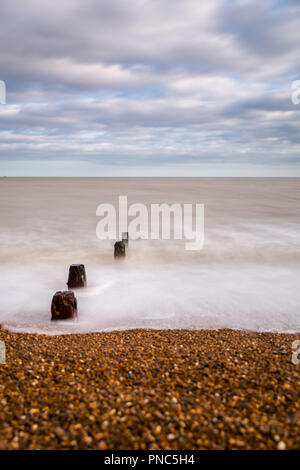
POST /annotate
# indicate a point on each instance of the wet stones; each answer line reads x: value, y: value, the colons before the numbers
x: 121, y: 390
x: 64, y: 305
x: 77, y: 276
x: 119, y: 250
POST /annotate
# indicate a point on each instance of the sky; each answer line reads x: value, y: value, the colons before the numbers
x: 149, y: 88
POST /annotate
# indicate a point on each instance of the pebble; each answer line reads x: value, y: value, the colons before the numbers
x: 281, y: 445
x: 149, y: 389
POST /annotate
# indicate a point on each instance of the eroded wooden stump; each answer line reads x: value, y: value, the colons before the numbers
x: 120, y: 250
x: 64, y: 305
x: 125, y: 238
x: 77, y: 276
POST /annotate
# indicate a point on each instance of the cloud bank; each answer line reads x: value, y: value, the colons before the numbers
x: 165, y: 85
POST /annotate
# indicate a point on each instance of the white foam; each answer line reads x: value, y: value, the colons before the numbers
x: 246, y: 277
x: 155, y: 296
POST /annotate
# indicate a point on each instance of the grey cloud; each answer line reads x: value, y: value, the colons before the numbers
x: 149, y: 81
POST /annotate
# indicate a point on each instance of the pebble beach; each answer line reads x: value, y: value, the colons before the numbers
x: 150, y: 389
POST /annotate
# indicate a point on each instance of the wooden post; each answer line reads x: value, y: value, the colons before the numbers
x: 125, y: 238
x: 120, y: 250
x: 77, y: 276
x: 64, y: 305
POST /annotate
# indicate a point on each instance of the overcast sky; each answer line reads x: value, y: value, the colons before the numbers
x: 149, y: 87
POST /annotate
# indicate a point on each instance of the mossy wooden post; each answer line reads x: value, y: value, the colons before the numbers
x: 125, y: 238
x: 120, y: 250
x: 77, y: 276
x: 64, y: 305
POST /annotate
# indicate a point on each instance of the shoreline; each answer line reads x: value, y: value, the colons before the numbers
x: 17, y: 330
x: 150, y: 389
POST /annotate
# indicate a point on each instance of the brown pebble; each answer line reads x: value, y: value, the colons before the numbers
x: 149, y: 389
x: 102, y: 445
x: 60, y: 432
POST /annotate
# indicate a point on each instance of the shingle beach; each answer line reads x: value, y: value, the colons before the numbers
x: 150, y: 389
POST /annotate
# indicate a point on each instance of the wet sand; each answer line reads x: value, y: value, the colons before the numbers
x: 150, y: 389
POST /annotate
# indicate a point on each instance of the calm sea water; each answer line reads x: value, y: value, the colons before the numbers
x: 246, y: 276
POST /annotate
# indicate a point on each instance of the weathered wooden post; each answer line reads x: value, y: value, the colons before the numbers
x: 64, y: 305
x: 120, y: 250
x: 125, y: 238
x: 77, y: 276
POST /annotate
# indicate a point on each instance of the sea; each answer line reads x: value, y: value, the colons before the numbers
x: 246, y: 276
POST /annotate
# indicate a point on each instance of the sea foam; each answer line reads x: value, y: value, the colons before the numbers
x: 246, y: 276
